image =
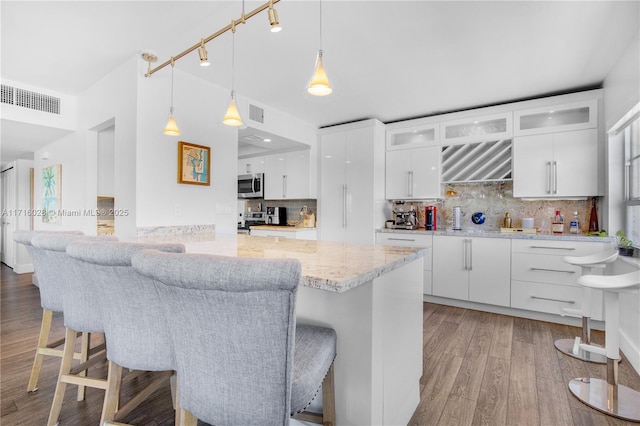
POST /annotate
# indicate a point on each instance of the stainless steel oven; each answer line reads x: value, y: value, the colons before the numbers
x: 251, y: 186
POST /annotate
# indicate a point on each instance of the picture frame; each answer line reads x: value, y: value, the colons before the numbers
x: 194, y: 164
x: 52, y: 194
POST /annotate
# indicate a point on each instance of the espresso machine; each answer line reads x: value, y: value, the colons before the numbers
x: 404, y: 219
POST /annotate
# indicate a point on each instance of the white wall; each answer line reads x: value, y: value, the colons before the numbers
x: 621, y: 93
x: 106, y: 162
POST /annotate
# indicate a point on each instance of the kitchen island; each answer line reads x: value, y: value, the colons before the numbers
x: 371, y: 295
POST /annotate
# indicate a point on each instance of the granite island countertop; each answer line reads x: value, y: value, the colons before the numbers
x: 326, y: 265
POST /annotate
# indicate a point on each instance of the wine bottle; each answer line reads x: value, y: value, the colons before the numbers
x: 593, y: 217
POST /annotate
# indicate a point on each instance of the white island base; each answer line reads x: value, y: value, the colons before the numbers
x: 379, y: 352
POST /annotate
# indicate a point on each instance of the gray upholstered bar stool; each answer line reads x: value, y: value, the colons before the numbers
x: 51, y: 301
x: 571, y: 347
x: 134, y: 327
x: 80, y: 314
x: 608, y: 396
x: 240, y: 357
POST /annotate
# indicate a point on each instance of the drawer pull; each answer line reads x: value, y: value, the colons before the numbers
x: 400, y: 239
x: 554, y: 300
x: 553, y: 270
x: 552, y: 248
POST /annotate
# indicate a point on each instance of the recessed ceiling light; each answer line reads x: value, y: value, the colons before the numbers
x: 267, y: 140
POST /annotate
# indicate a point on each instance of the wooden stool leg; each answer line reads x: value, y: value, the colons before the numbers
x: 112, y: 394
x: 187, y: 419
x: 85, y: 342
x: 65, y: 367
x: 43, y: 338
x: 328, y: 399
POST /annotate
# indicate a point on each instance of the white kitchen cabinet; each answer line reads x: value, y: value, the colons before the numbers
x: 474, y: 269
x: 541, y: 281
x: 413, y: 174
x: 413, y: 137
x: 557, y: 118
x: 287, y: 232
x: 561, y: 164
x: 474, y: 129
x: 286, y: 176
x: 413, y: 240
x: 351, y: 202
x: 249, y: 166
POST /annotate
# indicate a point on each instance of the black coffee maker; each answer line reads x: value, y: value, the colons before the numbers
x: 277, y: 216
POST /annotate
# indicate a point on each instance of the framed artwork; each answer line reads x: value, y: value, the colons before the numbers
x: 194, y: 162
x: 52, y: 194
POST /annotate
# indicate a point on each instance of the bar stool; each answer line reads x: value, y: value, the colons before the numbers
x: 571, y: 347
x: 607, y: 395
x: 51, y: 301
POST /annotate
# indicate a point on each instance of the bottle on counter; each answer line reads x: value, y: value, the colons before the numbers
x: 506, y: 223
x: 574, y: 225
x: 557, y: 225
x: 593, y: 217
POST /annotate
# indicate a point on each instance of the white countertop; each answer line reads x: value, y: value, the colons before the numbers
x: 330, y: 266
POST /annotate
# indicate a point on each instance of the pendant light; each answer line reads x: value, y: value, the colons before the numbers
x: 319, y: 85
x: 232, y: 117
x: 171, y: 128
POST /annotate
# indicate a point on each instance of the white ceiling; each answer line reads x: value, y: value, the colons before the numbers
x: 390, y: 60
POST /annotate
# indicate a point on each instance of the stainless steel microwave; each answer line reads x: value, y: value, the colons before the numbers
x: 251, y: 186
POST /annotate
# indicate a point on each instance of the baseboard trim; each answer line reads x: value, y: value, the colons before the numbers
x: 24, y: 268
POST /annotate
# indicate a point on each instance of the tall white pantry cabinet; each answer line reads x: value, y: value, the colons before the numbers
x: 351, y: 199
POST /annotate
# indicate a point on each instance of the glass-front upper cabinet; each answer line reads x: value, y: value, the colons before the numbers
x: 475, y: 129
x: 556, y: 118
x: 413, y: 137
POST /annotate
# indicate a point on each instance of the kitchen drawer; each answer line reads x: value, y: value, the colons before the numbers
x: 543, y: 269
x: 557, y: 247
x: 410, y: 240
x: 551, y: 298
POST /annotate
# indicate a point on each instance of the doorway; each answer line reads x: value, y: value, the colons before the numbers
x: 8, y: 210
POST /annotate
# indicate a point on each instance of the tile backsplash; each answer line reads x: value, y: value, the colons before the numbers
x: 494, y: 199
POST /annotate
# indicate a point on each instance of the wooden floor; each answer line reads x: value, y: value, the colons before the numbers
x: 480, y: 369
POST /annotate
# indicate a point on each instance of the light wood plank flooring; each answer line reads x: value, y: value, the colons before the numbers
x: 480, y: 369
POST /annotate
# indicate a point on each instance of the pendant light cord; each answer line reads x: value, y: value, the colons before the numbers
x: 172, y: 66
x: 233, y: 58
x: 320, y: 25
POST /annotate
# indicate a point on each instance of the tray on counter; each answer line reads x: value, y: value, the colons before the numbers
x: 519, y: 230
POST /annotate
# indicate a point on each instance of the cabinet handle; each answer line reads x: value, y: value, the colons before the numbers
x: 284, y: 186
x: 401, y: 239
x: 554, y: 300
x: 548, y: 177
x: 553, y: 270
x: 410, y: 183
x: 552, y: 248
x: 470, y: 255
x: 344, y: 205
x: 465, y: 254
x: 555, y: 177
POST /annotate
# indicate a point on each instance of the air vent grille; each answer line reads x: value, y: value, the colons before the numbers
x: 256, y: 113
x: 29, y: 99
x: 477, y: 162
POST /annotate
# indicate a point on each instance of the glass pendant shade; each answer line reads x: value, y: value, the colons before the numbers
x: 232, y: 117
x: 171, y: 128
x: 319, y: 85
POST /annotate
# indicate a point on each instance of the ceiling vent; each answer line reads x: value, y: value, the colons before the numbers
x: 28, y: 99
x: 256, y: 113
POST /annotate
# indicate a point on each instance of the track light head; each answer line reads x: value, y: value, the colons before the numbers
x: 273, y: 20
x: 202, y: 53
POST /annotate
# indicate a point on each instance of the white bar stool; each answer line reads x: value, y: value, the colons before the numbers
x: 572, y: 347
x: 608, y: 396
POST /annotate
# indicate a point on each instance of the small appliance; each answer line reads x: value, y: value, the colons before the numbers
x: 277, y: 216
x: 403, y: 219
x: 430, y: 218
x: 251, y: 186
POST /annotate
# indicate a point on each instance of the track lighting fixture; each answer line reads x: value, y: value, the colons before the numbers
x: 232, y: 117
x: 319, y: 85
x: 171, y: 128
x: 273, y: 18
x: 202, y: 52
